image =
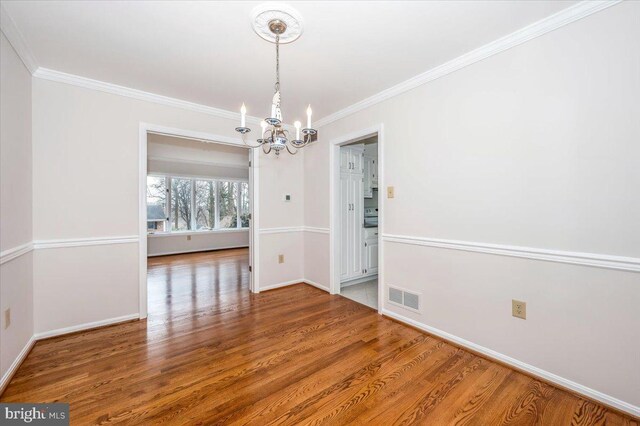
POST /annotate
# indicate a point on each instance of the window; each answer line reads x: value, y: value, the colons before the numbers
x: 181, y: 204
x: 227, y: 192
x: 156, y: 204
x: 244, y: 205
x: 178, y: 204
x: 205, y: 205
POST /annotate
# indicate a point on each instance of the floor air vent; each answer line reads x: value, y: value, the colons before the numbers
x: 404, y: 298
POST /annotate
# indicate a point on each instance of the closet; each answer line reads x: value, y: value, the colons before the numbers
x: 370, y: 175
x: 351, y: 211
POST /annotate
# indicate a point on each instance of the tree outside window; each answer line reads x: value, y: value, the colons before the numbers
x: 156, y: 203
x: 181, y: 204
x: 228, y: 204
x: 205, y: 205
x: 244, y: 204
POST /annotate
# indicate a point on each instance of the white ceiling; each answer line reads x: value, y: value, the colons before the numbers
x: 207, y: 52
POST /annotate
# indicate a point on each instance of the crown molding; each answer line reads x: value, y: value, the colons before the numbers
x: 16, y: 40
x: 548, y: 24
x: 88, y: 83
x: 102, y: 86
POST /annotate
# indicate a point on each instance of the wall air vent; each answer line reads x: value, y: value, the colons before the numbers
x: 404, y: 298
x: 395, y: 295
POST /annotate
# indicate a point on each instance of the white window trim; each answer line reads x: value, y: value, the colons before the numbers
x: 198, y: 177
x: 194, y: 213
x: 185, y: 233
x: 168, y: 205
x: 238, y: 205
x: 217, y: 207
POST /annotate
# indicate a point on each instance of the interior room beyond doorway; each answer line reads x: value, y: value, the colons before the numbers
x: 198, y: 218
x: 359, y: 221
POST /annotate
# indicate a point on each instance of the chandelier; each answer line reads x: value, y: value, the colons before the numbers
x: 274, y: 136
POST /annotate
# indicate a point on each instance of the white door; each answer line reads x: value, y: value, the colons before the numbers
x: 371, y: 257
x: 252, y: 260
x: 351, y: 213
x: 368, y: 189
x: 357, y: 160
x: 355, y: 224
x: 345, y: 230
x: 374, y: 173
x: 345, y: 160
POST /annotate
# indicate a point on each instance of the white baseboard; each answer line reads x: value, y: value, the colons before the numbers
x: 169, y: 253
x: 530, y: 369
x: 86, y: 326
x: 293, y: 282
x: 6, y: 378
x: 283, y: 284
x: 358, y: 280
x: 315, y: 284
x: 8, y: 375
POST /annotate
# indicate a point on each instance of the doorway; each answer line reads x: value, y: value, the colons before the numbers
x: 198, y: 197
x: 356, y: 217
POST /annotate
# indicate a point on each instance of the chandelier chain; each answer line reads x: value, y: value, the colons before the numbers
x: 277, y: 62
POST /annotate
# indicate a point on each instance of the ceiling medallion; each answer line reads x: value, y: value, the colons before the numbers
x: 278, y: 24
x: 263, y: 14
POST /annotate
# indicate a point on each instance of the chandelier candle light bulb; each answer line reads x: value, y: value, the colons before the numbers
x: 309, y: 116
x: 243, y: 115
x: 263, y: 124
x: 297, y: 125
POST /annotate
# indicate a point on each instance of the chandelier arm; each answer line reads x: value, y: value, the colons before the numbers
x: 265, y: 150
x: 291, y: 152
x: 244, y: 140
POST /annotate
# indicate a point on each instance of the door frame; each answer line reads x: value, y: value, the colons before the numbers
x: 144, y: 130
x: 334, y: 206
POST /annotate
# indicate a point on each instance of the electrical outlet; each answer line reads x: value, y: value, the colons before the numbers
x: 390, y: 192
x: 7, y: 318
x: 519, y: 309
x: 281, y: 258
x: 188, y: 237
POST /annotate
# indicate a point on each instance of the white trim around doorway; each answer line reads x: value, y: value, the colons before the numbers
x: 144, y: 130
x: 334, y: 206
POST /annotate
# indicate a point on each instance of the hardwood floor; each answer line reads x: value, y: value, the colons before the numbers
x: 213, y: 353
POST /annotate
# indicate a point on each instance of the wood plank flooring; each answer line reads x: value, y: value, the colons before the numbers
x: 213, y: 353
